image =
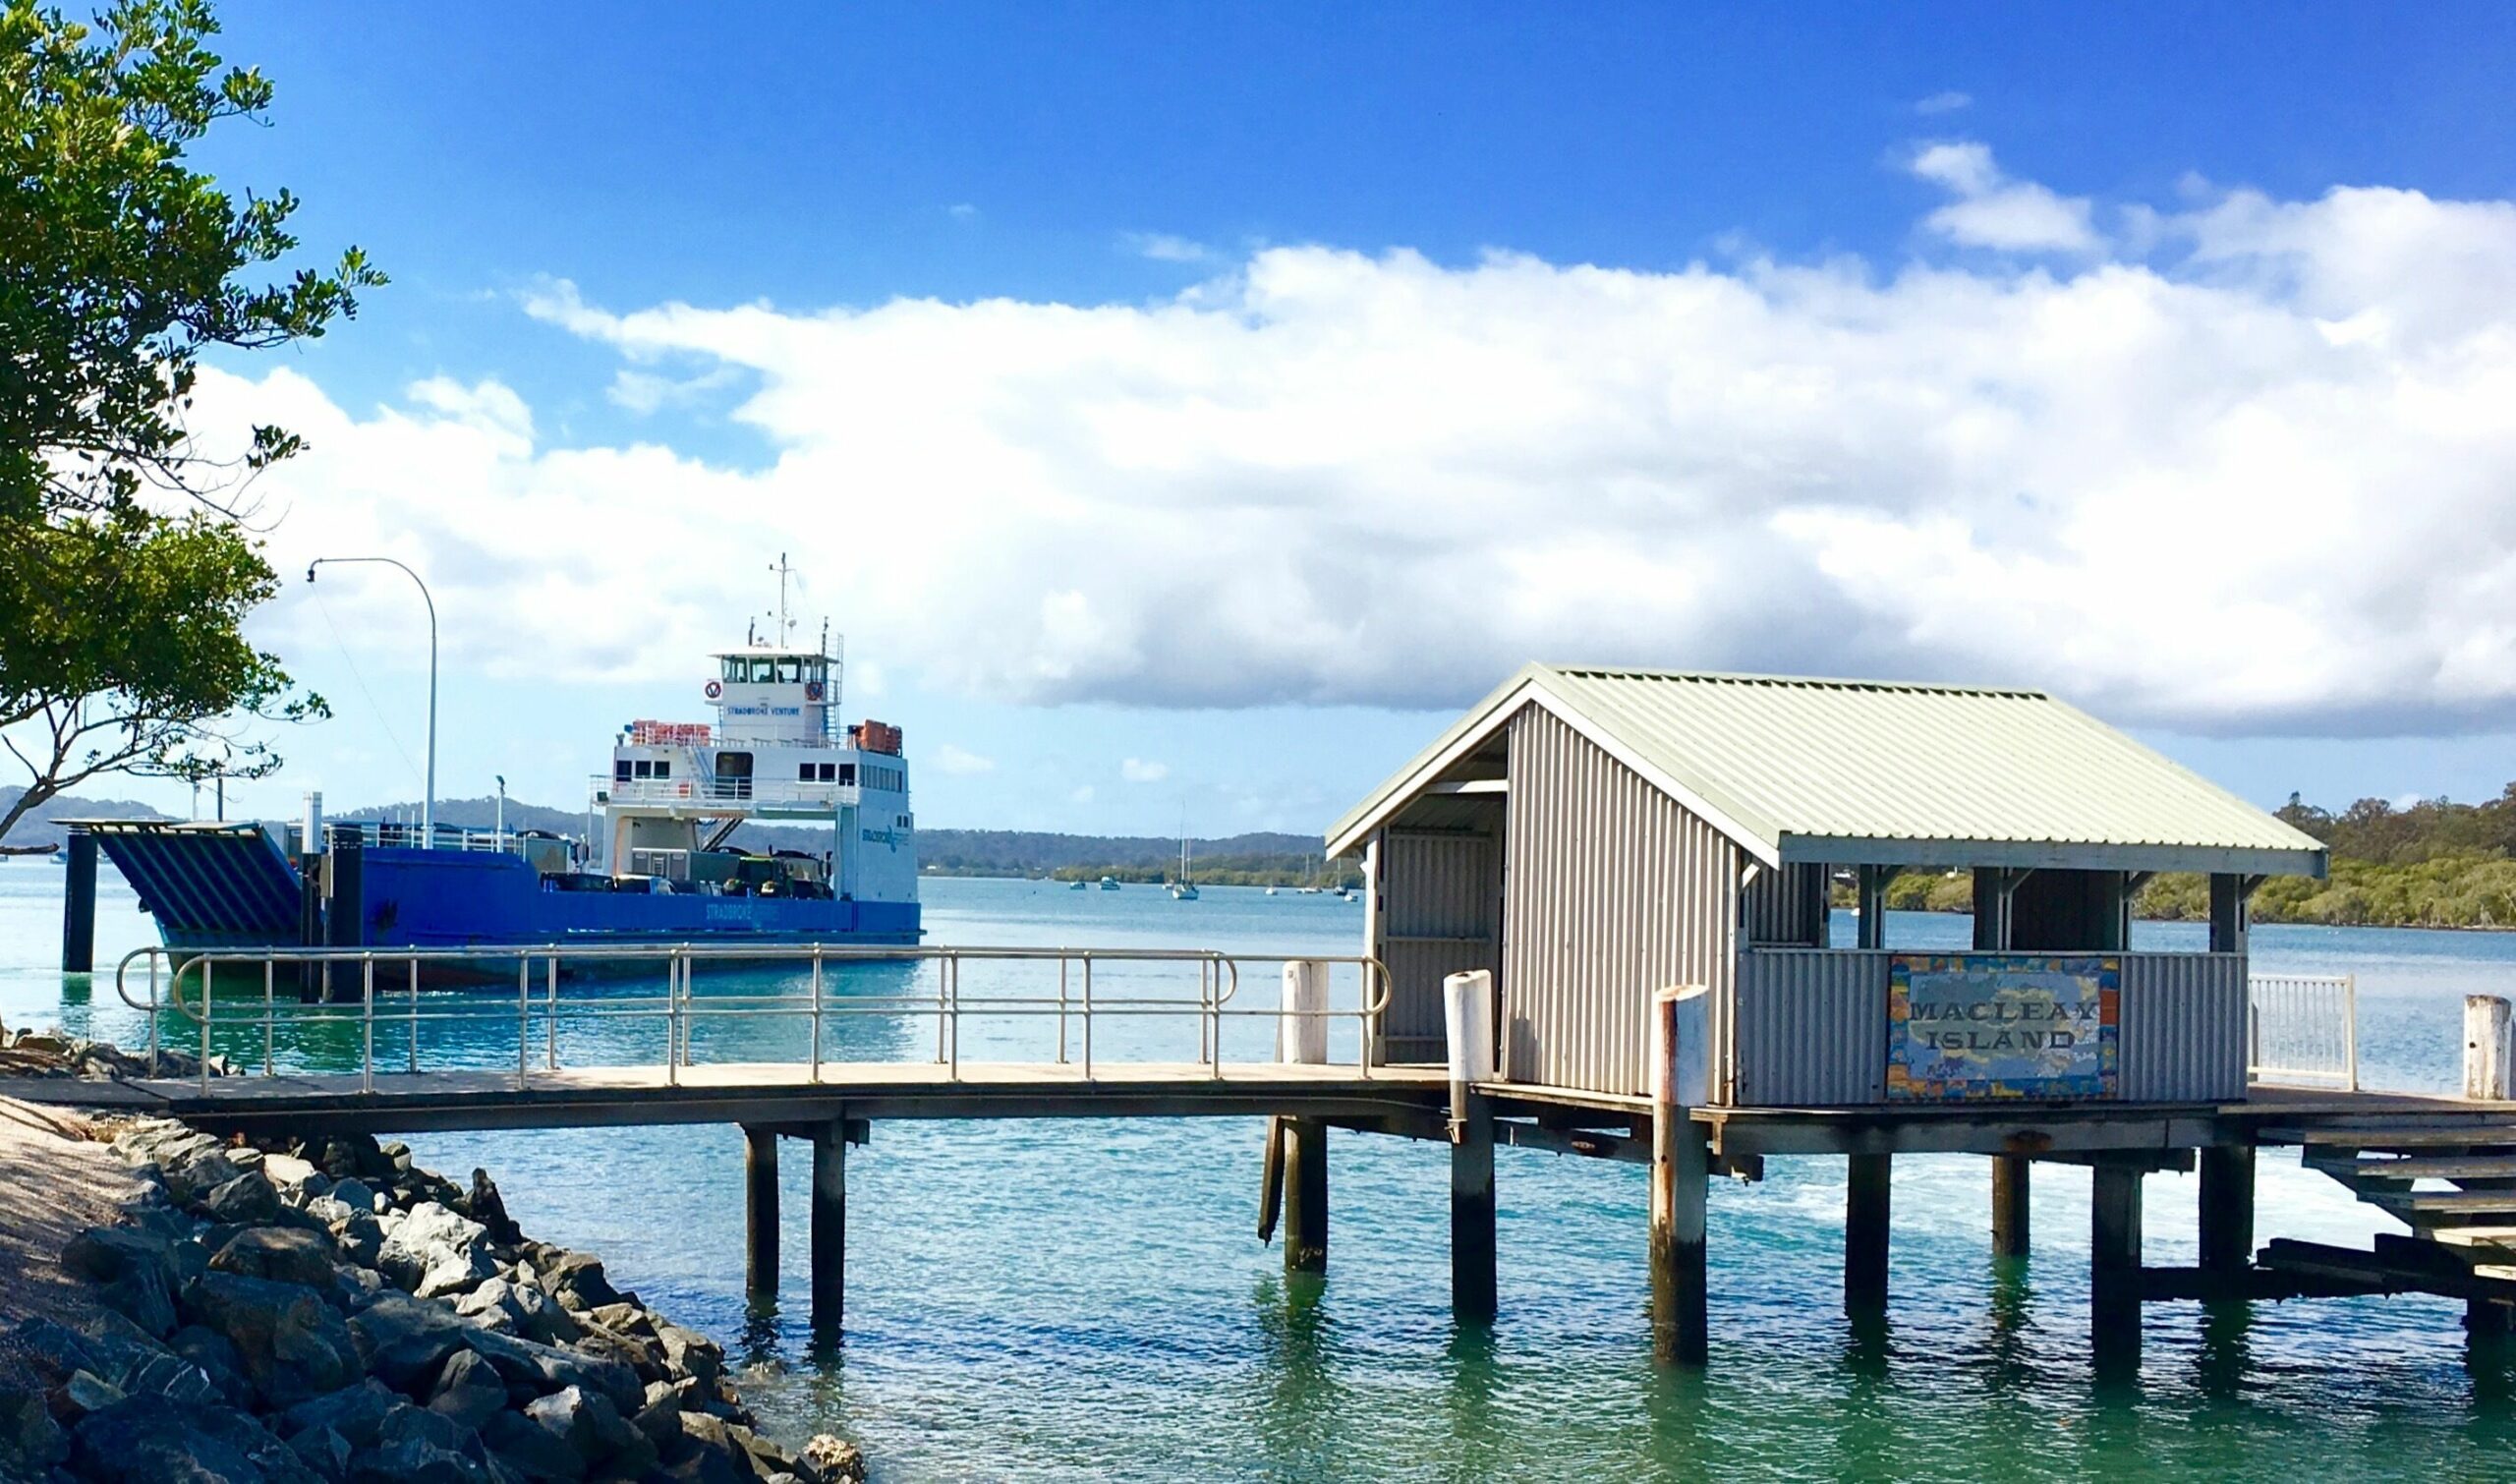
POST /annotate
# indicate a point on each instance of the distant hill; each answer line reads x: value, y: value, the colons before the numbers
x: 39, y: 826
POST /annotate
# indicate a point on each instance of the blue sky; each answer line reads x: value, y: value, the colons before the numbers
x: 1172, y: 548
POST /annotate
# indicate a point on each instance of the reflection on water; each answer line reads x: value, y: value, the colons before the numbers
x: 1087, y: 1300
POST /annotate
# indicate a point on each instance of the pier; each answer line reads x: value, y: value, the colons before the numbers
x: 1597, y: 922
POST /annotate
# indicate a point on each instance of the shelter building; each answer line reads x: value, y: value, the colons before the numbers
x: 1590, y: 835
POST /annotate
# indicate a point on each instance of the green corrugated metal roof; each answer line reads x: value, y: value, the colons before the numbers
x: 1775, y: 756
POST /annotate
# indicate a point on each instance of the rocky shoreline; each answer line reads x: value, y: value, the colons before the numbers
x: 333, y: 1314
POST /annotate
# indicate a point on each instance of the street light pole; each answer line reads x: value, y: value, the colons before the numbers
x: 427, y: 805
x: 500, y: 833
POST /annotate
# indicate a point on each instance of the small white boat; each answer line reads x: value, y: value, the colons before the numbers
x: 1271, y: 891
x: 1078, y: 884
x: 1108, y: 884
x: 1184, y: 889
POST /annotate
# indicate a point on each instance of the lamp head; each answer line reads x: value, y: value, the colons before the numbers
x: 310, y: 571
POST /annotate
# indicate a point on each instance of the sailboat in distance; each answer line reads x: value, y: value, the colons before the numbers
x: 1184, y: 889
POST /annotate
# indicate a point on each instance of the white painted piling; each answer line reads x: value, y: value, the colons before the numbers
x: 2489, y: 1047
x: 1467, y: 1023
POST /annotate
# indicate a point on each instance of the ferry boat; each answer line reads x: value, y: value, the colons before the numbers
x: 662, y: 870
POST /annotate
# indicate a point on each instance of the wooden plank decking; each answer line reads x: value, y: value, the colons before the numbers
x: 764, y: 1093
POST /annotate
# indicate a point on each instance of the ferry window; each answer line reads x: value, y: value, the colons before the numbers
x: 847, y: 773
x: 733, y: 669
x: 763, y: 671
x: 644, y: 768
x: 815, y: 669
x: 620, y: 769
x: 663, y: 767
x: 804, y: 773
x: 790, y: 671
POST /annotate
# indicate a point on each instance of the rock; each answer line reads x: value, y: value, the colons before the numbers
x: 246, y: 1200
x: 30, y: 1442
x: 576, y: 1280
x: 196, y: 1171
x: 135, y: 1270
x: 468, y: 1390
x: 245, y: 1157
x: 688, y: 1352
x: 297, y: 1180
x: 217, y: 1358
x: 531, y: 1449
x: 354, y: 1228
x: 414, y: 1444
x: 356, y: 1412
x: 144, y: 1441
x: 293, y: 1346
x: 86, y: 1392
x: 484, y: 1205
x: 181, y: 1381
x: 540, y: 1369
x: 356, y: 1194
x: 433, y: 1250
x: 593, y: 1428
x: 833, y: 1460
x: 282, y: 1254
x: 404, y: 1341
x: 660, y: 1417
x: 325, y: 1452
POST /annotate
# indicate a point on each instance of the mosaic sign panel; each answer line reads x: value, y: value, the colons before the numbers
x: 1962, y: 1027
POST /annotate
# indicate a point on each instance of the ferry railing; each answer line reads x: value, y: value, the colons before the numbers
x: 2303, y: 1028
x: 389, y: 991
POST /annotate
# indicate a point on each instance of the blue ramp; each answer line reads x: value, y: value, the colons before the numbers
x: 206, y: 883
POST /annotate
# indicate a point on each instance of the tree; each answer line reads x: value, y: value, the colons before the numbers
x: 128, y: 560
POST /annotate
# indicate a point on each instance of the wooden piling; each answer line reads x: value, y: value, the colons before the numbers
x: 759, y: 1216
x: 2012, y: 1179
x: 2227, y: 1208
x: 1472, y: 1270
x: 2114, y: 1266
x: 78, y: 904
x: 1681, y: 1176
x: 1865, y: 1213
x: 2490, y: 1048
x: 829, y: 1228
x: 1305, y: 1195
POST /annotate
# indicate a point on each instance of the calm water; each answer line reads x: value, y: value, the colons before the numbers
x: 1087, y: 1300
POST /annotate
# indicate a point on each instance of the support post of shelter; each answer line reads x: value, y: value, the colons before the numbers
x: 1472, y: 1270
x: 1680, y: 1175
x: 1305, y: 1195
x: 2114, y: 1266
x: 829, y: 1228
x: 78, y: 904
x: 759, y: 1216
x: 2227, y: 1208
x: 1994, y: 886
x: 2228, y: 912
x: 1872, y: 930
x: 1301, y: 1036
x: 1865, y: 1220
x: 2011, y: 1179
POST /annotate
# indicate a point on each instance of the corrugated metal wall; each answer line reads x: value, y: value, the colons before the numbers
x: 1812, y: 1028
x: 1788, y: 906
x: 1441, y: 897
x: 1612, y: 891
x: 2182, y: 1034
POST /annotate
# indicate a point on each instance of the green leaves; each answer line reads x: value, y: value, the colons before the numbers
x: 125, y: 572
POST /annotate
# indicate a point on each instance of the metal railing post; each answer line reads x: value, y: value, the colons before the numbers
x: 1087, y: 1018
x: 551, y: 1018
x: 817, y: 1013
x: 155, y: 1066
x: 523, y: 1018
x: 2350, y: 1027
x: 208, y: 1003
x: 415, y: 1015
x: 1062, y: 971
x: 367, y: 994
x: 270, y: 1009
x: 952, y: 1067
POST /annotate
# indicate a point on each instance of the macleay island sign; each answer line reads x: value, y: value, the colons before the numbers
x: 1962, y: 1026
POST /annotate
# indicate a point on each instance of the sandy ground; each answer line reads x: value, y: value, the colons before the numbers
x: 54, y: 1184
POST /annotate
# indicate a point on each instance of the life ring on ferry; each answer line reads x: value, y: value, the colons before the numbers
x: 716, y: 689
x: 685, y: 788
x: 812, y: 690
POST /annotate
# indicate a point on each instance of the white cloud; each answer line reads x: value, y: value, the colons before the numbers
x: 1944, y: 102
x: 1082, y: 795
x: 2257, y: 477
x: 1163, y: 246
x: 962, y: 211
x: 1991, y: 211
x: 953, y: 759
x: 1140, y: 771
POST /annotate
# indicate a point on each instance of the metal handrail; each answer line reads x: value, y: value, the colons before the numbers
x: 2318, y: 1008
x: 1217, y: 984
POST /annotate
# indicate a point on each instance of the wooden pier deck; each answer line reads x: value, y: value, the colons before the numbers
x: 753, y: 1092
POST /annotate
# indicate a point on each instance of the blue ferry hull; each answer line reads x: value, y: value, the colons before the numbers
x: 449, y: 899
